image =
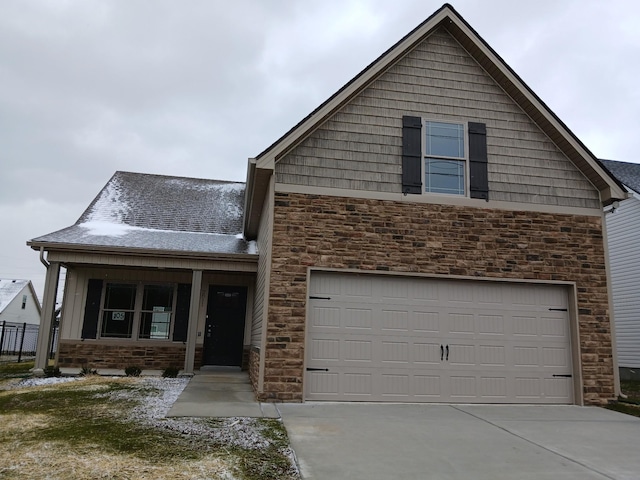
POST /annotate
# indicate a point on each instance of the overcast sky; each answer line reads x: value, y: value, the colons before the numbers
x: 194, y: 88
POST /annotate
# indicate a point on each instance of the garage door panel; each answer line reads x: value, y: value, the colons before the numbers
x: 358, y: 318
x: 425, y: 353
x: 394, y: 352
x: 386, y: 340
x: 555, y: 357
x: 394, y: 320
x: 395, y: 385
x: 524, y: 326
x: 553, y: 327
x: 425, y: 322
x: 556, y: 388
x: 493, y: 388
x: 324, y: 349
x: 325, y: 317
x: 323, y: 384
x: 491, y: 355
x: 528, y: 388
x: 460, y: 323
x: 427, y: 387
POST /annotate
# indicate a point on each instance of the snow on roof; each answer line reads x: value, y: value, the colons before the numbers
x: 158, y: 212
x: 627, y: 173
x: 9, y: 289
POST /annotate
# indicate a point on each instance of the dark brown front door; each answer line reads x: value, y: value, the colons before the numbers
x: 224, y: 328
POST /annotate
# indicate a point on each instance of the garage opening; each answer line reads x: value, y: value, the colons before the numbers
x: 404, y: 339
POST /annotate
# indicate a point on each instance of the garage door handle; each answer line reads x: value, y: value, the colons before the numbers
x: 441, y: 353
x: 317, y: 369
x: 447, y: 353
x: 564, y: 376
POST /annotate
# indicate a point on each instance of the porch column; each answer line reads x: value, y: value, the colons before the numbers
x: 46, y: 317
x: 194, y: 315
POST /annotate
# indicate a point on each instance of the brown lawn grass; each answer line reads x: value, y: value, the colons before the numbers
x: 85, y: 430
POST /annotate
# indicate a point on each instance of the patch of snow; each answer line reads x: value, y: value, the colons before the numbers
x: 206, y: 185
x: 109, y: 206
x: 153, y: 408
x: 39, y: 381
x: 229, y: 187
x: 107, y: 229
x: 110, y: 229
x: 252, y: 247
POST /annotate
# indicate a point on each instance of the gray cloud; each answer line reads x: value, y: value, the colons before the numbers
x: 195, y: 88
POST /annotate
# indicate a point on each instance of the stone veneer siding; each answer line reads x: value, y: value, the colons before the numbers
x: 370, y: 235
x: 72, y: 354
x: 254, y: 367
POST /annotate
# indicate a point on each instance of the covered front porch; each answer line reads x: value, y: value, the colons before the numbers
x: 150, y: 312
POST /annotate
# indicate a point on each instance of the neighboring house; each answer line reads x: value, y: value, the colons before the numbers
x: 623, y: 238
x: 18, y: 302
x: 430, y: 233
x: 18, y: 306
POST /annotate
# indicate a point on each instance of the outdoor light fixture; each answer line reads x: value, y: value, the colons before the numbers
x: 614, y: 206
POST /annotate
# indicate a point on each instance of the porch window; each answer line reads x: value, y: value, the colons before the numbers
x: 137, y: 311
x: 157, y: 304
x: 119, y: 310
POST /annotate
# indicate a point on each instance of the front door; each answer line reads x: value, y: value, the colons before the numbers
x: 224, y: 328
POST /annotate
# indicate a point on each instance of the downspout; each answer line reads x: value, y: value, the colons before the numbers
x: 42, y: 259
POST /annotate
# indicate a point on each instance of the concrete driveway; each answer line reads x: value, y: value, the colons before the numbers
x: 375, y: 441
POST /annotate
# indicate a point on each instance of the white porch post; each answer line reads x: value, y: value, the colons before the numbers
x: 46, y: 317
x: 194, y: 315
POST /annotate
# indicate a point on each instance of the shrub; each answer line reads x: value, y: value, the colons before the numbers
x: 170, y: 372
x: 51, y: 371
x: 86, y: 371
x: 132, y: 371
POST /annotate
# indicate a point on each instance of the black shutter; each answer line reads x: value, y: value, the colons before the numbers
x: 92, y: 309
x: 181, y: 322
x: 479, y: 181
x: 411, y: 155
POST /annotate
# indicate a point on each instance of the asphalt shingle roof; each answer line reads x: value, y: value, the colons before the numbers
x: 627, y: 173
x: 158, y: 212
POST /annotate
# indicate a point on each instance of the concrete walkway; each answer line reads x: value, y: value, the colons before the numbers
x: 220, y: 392
x: 461, y: 442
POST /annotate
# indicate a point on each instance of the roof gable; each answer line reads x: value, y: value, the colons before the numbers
x: 446, y: 17
x: 10, y: 289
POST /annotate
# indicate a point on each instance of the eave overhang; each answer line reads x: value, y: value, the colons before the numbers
x: 143, y: 252
x: 256, y: 190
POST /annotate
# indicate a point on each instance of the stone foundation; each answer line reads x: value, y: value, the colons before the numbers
x: 95, y: 355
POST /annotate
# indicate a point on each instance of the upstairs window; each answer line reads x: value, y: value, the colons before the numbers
x: 444, y: 158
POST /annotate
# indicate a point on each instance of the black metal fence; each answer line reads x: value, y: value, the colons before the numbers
x: 18, y: 341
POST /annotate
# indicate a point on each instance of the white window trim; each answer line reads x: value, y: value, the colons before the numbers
x: 137, y: 311
x: 423, y: 143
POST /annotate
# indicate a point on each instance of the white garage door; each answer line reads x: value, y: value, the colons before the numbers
x: 382, y: 338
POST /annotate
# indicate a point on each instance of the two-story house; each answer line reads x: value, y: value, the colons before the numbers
x: 430, y: 233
